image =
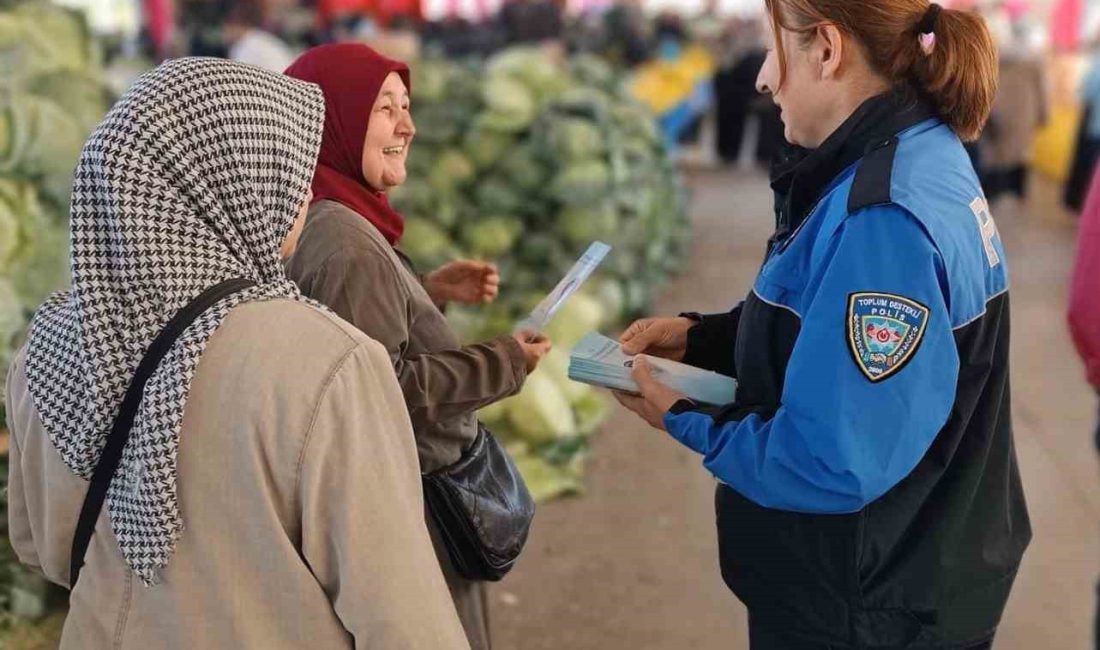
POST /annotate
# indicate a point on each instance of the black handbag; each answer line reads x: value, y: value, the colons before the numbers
x: 482, y: 509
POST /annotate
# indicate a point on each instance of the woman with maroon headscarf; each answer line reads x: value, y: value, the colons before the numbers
x: 348, y: 259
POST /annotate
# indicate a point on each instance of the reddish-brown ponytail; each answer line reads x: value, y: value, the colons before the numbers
x: 958, y: 75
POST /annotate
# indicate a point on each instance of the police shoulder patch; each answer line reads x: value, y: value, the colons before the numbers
x: 884, y: 332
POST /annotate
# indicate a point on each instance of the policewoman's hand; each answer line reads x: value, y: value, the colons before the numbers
x: 656, y: 399
x: 660, y: 337
x: 468, y: 282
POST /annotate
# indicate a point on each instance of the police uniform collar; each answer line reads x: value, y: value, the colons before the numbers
x: 802, y: 176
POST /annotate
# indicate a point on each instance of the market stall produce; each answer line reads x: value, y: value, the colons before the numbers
x: 50, y: 98
x: 525, y: 160
x: 52, y: 93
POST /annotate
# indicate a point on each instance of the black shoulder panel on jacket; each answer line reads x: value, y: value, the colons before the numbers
x: 874, y: 177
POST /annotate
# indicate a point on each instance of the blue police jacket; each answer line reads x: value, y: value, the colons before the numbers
x: 868, y: 492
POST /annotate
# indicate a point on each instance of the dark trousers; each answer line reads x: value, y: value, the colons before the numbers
x: 761, y: 639
x: 1084, y: 163
x: 1008, y: 180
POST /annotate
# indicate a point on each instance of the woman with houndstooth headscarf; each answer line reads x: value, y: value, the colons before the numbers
x: 267, y: 494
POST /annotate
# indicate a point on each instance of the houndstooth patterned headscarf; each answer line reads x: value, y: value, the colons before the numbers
x: 194, y: 177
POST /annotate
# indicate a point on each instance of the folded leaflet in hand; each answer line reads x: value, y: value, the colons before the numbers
x: 600, y: 361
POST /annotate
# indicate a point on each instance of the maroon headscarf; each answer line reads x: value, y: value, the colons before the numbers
x: 351, y: 76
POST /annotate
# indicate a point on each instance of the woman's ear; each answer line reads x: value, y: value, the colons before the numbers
x: 830, y: 50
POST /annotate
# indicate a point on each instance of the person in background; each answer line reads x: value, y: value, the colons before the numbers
x: 1088, y: 138
x: 735, y: 87
x: 349, y: 260
x: 160, y: 27
x: 628, y: 33
x: 1021, y: 108
x: 531, y: 21
x: 249, y: 43
x: 1084, y: 304
x: 201, y: 23
x: 269, y: 494
x: 869, y: 494
x: 338, y: 19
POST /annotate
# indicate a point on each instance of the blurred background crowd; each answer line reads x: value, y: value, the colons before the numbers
x: 699, y: 56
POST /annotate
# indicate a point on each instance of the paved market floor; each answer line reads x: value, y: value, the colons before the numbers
x: 632, y: 565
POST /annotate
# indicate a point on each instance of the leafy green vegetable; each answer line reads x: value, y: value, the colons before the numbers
x: 492, y: 236
x: 580, y: 224
x: 540, y: 413
x: 545, y: 481
x: 582, y: 182
x: 426, y: 243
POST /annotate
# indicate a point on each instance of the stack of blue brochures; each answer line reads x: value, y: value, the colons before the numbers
x: 600, y: 361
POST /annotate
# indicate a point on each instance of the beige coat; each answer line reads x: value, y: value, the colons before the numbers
x: 344, y: 262
x: 300, y: 492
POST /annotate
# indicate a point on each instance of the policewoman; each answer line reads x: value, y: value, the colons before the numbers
x: 869, y: 493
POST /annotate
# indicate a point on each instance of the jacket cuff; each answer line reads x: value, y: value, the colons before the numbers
x: 683, y: 406
x: 700, y: 342
x: 711, y: 342
x: 516, y: 359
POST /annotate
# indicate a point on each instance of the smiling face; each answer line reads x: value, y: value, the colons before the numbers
x: 389, y: 134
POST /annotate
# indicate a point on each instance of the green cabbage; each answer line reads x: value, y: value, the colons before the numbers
x: 540, y: 413
x: 586, y: 103
x: 591, y: 409
x: 542, y: 250
x: 593, y: 71
x: 494, y: 414
x: 579, y: 316
x: 54, y: 139
x: 452, y: 170
x: 495, y: 195
x: 522, y: 169
x: 431, y: 81
x: 414, y: 198
x: 503, y: 123
x: 12, y: 320
x: 510, y: 106
x: 576, y: 140
x: 611, y: 295
x: 531, y: 67
x: 439, y: 123
x: 545, y: 481
x: 486, y: 147
x: 492, y: 236
x: 10, y: 231
x: 426, y: 243
x: 55, y: 38
x: 83, y: 95
x: 41, y: 265
x: 555, y: 365
x: 581, y: 225
x: 582, y: 182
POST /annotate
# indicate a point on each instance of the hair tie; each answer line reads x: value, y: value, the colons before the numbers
x: 926, y: 28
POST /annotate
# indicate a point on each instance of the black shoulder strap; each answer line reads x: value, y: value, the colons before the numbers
x: 120, y: 430
x: 874, y: 177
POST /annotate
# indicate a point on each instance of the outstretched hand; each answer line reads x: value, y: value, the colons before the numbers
x: 469, y: 282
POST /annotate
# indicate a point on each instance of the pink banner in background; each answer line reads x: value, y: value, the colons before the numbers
x: 1066, y: 23
x: 160, y: 21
